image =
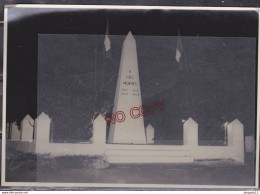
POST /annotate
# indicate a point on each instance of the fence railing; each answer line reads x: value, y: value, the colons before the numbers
x: 37, y: 133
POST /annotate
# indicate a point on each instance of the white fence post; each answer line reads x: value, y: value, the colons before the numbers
x: 236, y: 139
x: 149, y: 134
x: 42, y: 132
x: 99, y: 130
x: 190, y: 133
x: 27, y: 126
x: 15, y: 132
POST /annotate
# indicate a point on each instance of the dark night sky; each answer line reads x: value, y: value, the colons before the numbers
x: 220, y: 70
x: 215, y: 83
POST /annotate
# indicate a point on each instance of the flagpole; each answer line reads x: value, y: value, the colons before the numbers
x: 190, y: 87
x: 179, y: 53
x: 107, y: 48
x: 191, y: 94
x: 103, y: 66
x: 103, y: 61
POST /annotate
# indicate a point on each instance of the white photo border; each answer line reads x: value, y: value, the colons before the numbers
x: 119, y: 185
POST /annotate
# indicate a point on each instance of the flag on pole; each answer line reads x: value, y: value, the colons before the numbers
x: 107, y: 44
x: 107, y: 40
x: 179, y: 48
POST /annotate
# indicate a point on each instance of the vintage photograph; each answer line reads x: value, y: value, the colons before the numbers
x: 130, y: 97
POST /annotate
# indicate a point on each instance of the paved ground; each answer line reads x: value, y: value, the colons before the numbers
x: 29, y: 168
x: 155, y: 174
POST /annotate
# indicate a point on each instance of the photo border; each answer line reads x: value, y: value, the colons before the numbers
x: 114, y: 185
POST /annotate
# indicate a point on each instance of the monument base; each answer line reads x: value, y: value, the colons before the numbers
x: 148, y: 156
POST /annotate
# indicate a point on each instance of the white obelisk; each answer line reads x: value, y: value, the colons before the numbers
x: 128, y: 95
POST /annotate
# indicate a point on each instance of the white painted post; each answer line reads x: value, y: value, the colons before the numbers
x: 236, y: 139
x: 27, y: 126
x: 250, y: 144
x: 190, y: 133
x: 15, y: 134
x: 42, y: 132
x: 99, y: 130
x: 149, y: 134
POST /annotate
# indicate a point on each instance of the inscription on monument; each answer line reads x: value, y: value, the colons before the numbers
x: 127, y: 83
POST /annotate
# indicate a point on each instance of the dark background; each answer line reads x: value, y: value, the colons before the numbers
x: 26, y: 24
x: 214, y: 83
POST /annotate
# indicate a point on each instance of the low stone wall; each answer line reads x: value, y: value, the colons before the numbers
x: 214, y: 152
x: 26, y: 147
x: 133, y: 153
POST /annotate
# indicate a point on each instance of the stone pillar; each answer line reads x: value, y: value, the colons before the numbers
x: 190, y: 133
x: 236, y: 139
x: 128, y: 129
x: 99, y: 131
x: 42, y: 132
x: 27, y: 126
x: 149, y: 134
x: 250, y: 144
x: 15, y: 132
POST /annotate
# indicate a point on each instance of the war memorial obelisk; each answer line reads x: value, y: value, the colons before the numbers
x: 128, y: 95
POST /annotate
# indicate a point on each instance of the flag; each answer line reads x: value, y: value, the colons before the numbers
x: 107, y: 40
x: 107, y: 44
x: 179, y: 48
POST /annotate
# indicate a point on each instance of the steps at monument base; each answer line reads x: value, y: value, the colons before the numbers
x: 143, y: 152
x: 148, y: 156
x: 148, y: 159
